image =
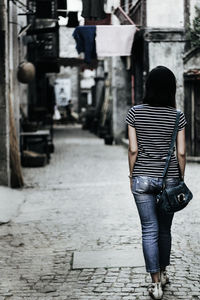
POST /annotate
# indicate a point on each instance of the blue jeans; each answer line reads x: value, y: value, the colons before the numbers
x: 156, y: 226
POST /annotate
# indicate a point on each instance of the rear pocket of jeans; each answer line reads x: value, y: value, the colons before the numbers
x: 141, y: 185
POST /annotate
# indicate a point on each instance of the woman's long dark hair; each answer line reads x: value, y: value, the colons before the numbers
x: 160, y: 87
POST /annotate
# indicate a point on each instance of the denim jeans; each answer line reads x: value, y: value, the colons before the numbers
x: 156, y: 226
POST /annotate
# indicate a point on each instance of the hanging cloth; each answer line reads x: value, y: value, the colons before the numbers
x: 44, y: 10
x: 93, y: 9
x: 62, y: 4
x: 73, y: 19
x: 85, y: 41
x: 114, y: 40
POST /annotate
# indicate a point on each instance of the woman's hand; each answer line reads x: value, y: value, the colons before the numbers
x: 131, y: 183
x: 132, y: 151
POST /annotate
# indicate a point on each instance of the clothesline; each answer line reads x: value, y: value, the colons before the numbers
x: 130, y: 6
x: 104, y: 40
x: 80, y: 9
x: 124, y: 6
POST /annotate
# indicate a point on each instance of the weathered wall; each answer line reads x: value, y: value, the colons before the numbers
x: 169, y: 54
x: 4, y: 91
x: 193, y: 3
x: 121, y: 92
x: 10, y: 53
x: 17, y: 53
x: 23, y: 88
x: 168, y: 13
x: 13, y: 63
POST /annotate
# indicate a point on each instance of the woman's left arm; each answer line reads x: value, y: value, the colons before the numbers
x: 132, y: 150
x: 181, y: 151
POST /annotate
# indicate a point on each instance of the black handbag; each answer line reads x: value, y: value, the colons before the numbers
x: 173, y: 199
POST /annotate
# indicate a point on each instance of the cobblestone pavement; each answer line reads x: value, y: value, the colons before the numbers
x: 81, y: 201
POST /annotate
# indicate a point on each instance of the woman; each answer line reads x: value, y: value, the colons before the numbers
x: 150, y: 127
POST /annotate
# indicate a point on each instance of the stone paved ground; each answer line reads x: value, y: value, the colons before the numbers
x: 81, y: 201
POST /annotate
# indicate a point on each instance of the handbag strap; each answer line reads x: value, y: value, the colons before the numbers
x: 171, y: 149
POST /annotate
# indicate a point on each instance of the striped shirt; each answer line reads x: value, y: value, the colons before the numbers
x: 154, y: 127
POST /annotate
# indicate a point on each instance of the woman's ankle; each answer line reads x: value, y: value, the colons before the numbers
x: 155, y: 277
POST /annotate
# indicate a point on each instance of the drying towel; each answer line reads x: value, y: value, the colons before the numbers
x: 93, y: 9
x: 73, y: 19
x: 62, y: 4
x: 114, y: 40
x: 85, y: 41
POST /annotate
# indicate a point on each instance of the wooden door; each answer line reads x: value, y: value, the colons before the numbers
x: 197, y: 118
x: 192, y: 112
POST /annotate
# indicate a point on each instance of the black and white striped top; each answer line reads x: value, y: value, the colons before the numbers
x: 154, y: 127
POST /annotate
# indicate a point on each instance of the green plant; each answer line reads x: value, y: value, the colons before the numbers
x: 194, y: 31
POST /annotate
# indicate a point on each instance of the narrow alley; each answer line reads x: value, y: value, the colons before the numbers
x: 81, y: 202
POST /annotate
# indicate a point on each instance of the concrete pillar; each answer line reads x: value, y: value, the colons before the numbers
x: 4, y: 106
x: 13, y: 63
x: 121, y: 95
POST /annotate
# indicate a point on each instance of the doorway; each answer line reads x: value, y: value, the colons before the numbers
x: 192, y: 112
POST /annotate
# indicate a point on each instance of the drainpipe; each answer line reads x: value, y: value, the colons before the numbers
x: 4, y: 106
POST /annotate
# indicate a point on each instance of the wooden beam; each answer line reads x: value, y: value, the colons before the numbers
x: 4, y: 92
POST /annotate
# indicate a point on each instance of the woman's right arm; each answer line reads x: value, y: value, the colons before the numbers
x: 132, y: 151
x: 181, y: 150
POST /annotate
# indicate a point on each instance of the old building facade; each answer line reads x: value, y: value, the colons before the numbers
x: 12, y: 93
x: 161, y: 40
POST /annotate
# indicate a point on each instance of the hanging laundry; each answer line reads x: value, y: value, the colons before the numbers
x: 111, y: 5
x: 73, y: 19
x: 62, y: 5
x: 85, y: 41
x: 44, y: 10
x: 93, y: 9
x: 114, y: 40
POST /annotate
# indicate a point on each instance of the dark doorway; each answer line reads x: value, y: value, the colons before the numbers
x: 192, y: 111
x: 138, y: 63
